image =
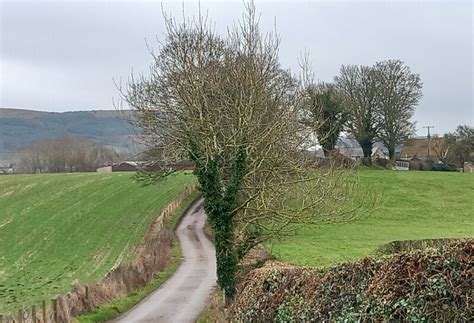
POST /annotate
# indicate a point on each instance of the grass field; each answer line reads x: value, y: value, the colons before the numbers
x: 64, y: 228
x: 414, y: 205
x: 115, y: 308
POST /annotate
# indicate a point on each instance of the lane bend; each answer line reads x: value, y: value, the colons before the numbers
x: 182, y: 297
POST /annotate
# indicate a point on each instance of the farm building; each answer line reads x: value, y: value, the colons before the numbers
x: 349, y: 147
x: 105, y: 169
x: 6, y: 168
x: 379, y: 151
x: 418, y: 148
x: 125, y: 166
x: 131, y: 166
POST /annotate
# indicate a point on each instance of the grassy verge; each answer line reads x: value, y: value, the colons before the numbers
x: 214, y: 310
x: 121, y: 305
x: 414, y: 205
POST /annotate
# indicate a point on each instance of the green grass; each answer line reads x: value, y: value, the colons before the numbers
x: 59, y: 229
x: 121, y: 305
x: 414, y: 205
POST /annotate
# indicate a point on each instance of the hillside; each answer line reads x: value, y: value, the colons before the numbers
x: 413, y: 205
x: 75, y: 227
x: 19, y: 128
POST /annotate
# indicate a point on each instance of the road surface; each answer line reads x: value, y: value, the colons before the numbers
x: 184, y: 295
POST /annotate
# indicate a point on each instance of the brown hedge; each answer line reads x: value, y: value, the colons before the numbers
x: 429, y: 285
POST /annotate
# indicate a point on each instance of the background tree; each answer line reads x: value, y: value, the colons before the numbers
x: 441, y: 148
x: 227, y: 104
x: 324, y: 114
x: 358, y: 88
x: 63, y: 154
x: 397, y: 95
x: 459, y: 145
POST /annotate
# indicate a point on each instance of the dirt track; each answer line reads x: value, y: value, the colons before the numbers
x: 184, y: 295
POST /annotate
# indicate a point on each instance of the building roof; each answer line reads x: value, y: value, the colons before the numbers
x: 131, y: 163
x: 380, y: 145
x: 377, y: 148
x: 349, y: 147
x: 419, y: 147
x: 125, y: 166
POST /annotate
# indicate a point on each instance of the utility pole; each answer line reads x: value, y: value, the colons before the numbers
x: 429, y: 139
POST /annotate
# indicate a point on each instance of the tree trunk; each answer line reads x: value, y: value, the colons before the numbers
x: 221, y: 222
x: 219, y: 204
x: 391, y: 152
x: 366, y: 145
x: 327, y: 148
x: 226, y: 256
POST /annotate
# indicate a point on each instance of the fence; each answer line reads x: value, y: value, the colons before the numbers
x: 150, y: 257
x: 170, y: 208
x: 46, y: 313
x: 402, y: 165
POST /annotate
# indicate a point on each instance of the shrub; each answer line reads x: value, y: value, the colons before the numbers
x: 423, y: 285
x: 443, y: 167
x: 412, y: 245
x: 382, y: 162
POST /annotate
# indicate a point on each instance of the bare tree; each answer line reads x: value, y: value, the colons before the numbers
x: 457, y: 147
x: 63, y: 154
x: 324, y: 114
x: 358, y: 88
x: 398, y: 93
x: 228, y: 105
x: 441, y: 147
x: 28, y: 160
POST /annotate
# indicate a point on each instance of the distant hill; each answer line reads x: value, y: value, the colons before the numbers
x: 19, y: 128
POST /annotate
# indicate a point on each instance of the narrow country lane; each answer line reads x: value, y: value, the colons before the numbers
x: 184, y: 295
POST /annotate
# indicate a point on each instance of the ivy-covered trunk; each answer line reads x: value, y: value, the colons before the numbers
x: 226, y: 255
x: 220, y: 202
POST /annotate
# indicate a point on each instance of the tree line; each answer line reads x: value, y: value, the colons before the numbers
x: 63, y: 154
x: 371, y: 103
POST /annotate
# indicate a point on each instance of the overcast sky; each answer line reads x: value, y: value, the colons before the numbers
x: 63, y: 56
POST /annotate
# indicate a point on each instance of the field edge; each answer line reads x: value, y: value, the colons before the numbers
x: 112, y: 310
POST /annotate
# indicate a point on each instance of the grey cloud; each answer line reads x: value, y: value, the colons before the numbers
x: 63, y: 56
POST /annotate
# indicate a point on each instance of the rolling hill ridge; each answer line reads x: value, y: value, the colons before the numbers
x: 19, y: 128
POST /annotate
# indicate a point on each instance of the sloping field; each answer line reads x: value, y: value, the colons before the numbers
x: 59, y: 229
x: 413, y: 205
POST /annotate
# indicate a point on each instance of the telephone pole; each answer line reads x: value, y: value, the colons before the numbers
x: 429, y: 139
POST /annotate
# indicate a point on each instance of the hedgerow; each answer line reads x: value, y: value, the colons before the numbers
x: 418, y: 286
